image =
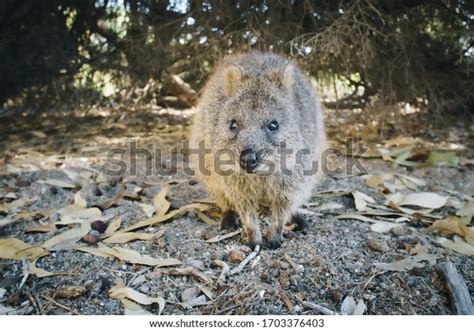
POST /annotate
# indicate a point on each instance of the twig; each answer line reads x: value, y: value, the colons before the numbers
x: 292, y: 263
x: 318, y: 308
x: 458, y: 292
x: 54, y: 302
x: 186, y: 271
x: 35, y: 304
x: 375, y: 274
x: 225, y: 270
x: 242, y: 264
x: 224, y: 236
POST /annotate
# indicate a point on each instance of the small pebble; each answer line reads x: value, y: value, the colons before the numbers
x: 99, y: 226
x: 236, y: 256
x: 376, y: 246
x: 90, y: 239
x: 209, y: 234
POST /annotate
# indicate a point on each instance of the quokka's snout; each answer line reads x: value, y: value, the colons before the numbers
x: 249, y: 159
x: 252, y: 104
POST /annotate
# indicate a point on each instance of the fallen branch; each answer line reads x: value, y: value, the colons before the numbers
x: 242, y: 264
x: 458, y: 292
x: 318, y: 308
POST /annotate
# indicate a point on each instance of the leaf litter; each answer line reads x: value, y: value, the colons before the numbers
x: 395, y: 206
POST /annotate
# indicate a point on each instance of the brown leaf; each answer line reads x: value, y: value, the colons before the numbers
x: 457, y: 245
x: 124, y: 237
x: 119, y: 291
x: 206, y: 219
x: 408, y: 263
x: 12, y: 248
x: 158, y: 219
x: 44, y: 228
x: 132, y: 256
x: 361, y: 200
x: 160, y: 203
x: 453, y: 225
x: 67, y: 237
x: 131, y: 308
x: 113, y: 226
x: 58, y: 183
x: 424, y: 200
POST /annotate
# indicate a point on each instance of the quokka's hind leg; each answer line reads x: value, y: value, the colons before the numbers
x: 230, y: 220
x: 300, y: 221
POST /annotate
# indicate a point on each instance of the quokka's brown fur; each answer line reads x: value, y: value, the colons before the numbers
x: 245, y: 94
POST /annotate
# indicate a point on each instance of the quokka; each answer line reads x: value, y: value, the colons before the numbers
x: 260, y: 135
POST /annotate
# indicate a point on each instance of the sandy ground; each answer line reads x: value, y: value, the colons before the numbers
x: 332, y: 260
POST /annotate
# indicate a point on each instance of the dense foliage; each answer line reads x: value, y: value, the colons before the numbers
x: 394, y: 50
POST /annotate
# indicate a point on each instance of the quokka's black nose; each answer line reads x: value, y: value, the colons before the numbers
x: 248, y: 159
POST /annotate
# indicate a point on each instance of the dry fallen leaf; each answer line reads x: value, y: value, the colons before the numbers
x: 356, y: 217
x: 206, y: 219
x: 65, y: 239
x: 124, y: 237
x: 44, y: 228
x: 6, y: 221
x: 408, y: 263
x: 423, y: 200
x: 349, y: 306
x: 148, y: 209
x: 76, y: 214
x: 158, y: 219
x: 119, y: 291
x: 58, y: 183
x: 327, y: 206
x: 40, y: 273
x: 113, y: 226
x: 160, y: 203
x: 79, y: 200
x: 453, y: 225
x: 383, y: 227
x: 466, y: 212
x: 12, y: 248
x: 131, y: 308
x: 361, y: 200
x: 129, y: 255
x: 457, y: 245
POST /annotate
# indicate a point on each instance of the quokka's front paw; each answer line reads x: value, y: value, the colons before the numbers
x: 274, y: 240
x: 229, y: 220
x: 253, y: 239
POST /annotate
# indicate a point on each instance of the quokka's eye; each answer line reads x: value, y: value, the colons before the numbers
x: 233, y: 125
x: 273, y: 126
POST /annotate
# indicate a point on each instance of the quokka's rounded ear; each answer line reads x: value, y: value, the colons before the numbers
x: 285, y: 76
x: 232, y: 78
